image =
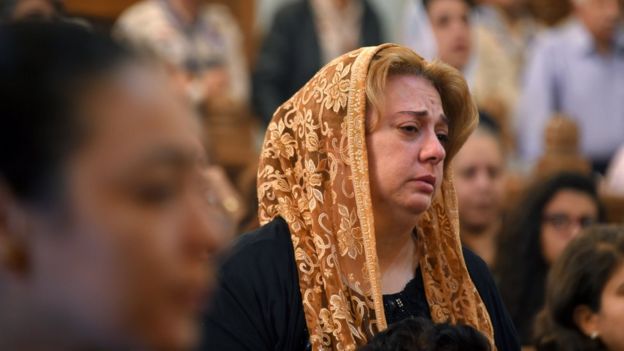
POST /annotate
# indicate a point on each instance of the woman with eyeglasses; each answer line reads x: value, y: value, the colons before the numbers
x: 552, y: 213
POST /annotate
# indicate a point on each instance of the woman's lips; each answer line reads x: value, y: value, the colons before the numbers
x: 426, y: 183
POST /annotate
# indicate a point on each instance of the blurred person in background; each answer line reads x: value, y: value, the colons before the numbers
x: 479, y: 172
x: 106, y: 224
x: 304, y: 36
x: 201, y: 40
x: 577, y: 70
x: 584, y: 308
x: 420, y: 334
x: 203, y: 46
x: 444, y: 30
x: 551, y: 214
x: 512, y: 26
x: 451, y: 24
x: 504, y: 31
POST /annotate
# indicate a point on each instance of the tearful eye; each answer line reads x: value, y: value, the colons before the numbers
x: 410, y: 129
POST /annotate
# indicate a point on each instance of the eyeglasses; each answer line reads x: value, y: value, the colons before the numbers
x: 562, y: 221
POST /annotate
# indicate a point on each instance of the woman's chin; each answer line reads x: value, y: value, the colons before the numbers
x: 417, y: 205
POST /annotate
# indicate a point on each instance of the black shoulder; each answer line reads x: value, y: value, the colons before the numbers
x: 477, y: 268
x: 504, y: 331
x: 272, y: 236
x: 257, y: 303
x: 268, y: 248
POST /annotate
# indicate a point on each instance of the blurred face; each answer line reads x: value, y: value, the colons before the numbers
x: 479, y: 181
x: 563, y: 218
x: 610, y: 318
x: 450, y: 21
x: 126, y: 262
x: 600, y: 17
x: 406, y: 148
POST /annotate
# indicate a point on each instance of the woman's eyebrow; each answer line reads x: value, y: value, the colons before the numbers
x: 420, y: 114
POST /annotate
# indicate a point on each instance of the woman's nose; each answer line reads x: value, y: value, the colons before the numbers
x: 432, y: 149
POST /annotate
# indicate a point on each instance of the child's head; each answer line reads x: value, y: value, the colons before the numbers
x: 419, y: 334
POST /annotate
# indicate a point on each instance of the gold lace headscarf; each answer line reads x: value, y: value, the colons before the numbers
x: 313, y: 172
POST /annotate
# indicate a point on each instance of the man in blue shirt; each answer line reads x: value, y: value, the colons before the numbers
x: 577, y: 70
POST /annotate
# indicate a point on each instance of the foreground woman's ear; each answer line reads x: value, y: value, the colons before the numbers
x: 586, y: 320
x: 13, y: 231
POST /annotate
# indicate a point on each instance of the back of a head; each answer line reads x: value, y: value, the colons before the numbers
x: 43, y: 67
x: 448, y: 337
x: 420, y: 334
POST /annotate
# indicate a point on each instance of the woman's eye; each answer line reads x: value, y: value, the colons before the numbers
x: 410, y: 129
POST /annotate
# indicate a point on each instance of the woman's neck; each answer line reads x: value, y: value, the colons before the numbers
x: 396, y: 253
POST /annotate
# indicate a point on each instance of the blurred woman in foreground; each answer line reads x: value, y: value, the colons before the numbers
x: 105, y: 231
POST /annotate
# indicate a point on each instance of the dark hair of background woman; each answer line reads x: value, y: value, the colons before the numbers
x: 520, y: 268
x: 578, y: 278
x: 41, y: 77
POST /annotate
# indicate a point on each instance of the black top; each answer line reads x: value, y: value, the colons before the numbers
x: 290, y: 54
x: 258, y: 307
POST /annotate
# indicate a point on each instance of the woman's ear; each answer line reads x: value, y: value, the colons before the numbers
x: 586, y: 320
x: 13, y: 231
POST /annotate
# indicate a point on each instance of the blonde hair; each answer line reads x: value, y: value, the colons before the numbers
x: 457, y: 103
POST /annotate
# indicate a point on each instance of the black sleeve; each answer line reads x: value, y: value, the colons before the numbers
x: 505, y: 335
x: 257, y: 305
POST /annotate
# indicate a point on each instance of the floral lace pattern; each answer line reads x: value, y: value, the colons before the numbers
x: 314, y: 173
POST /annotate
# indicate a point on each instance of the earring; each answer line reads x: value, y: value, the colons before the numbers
x: 594, y: 335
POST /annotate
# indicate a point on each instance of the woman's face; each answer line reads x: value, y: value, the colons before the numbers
x: 450, y: 21
x: 563, y: 218
x: 610, y: 318
x: 406, y: 148
x: 479, y: 181
x: 127, y: 260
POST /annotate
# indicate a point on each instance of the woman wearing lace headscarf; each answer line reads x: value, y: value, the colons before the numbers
x: 359, y: 214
